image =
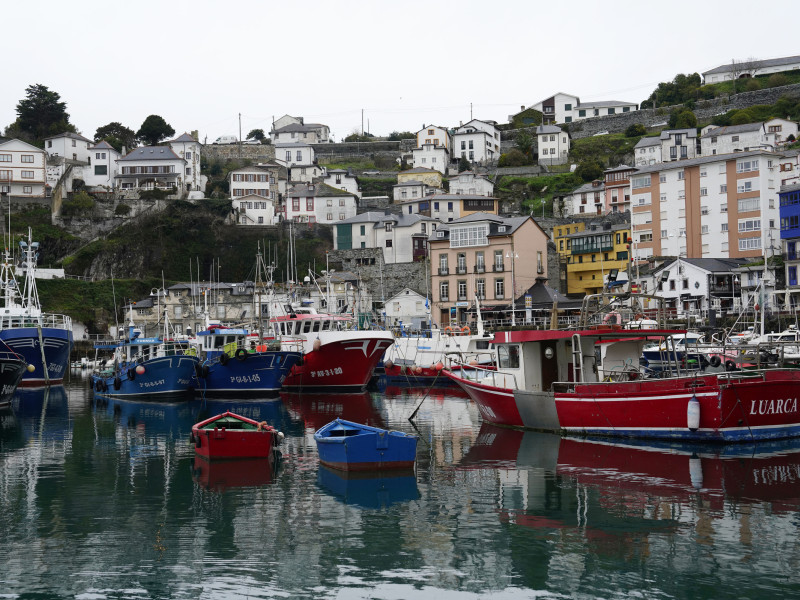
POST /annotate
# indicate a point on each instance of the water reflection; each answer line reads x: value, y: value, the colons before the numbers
x: 369, y: 489
x: 222, y: 475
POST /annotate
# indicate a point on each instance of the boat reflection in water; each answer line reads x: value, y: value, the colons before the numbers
x: 369, y: 489
x: 636, y: 481
x: 316, y: 410
x: 173, y: 419
x: 221, y: 475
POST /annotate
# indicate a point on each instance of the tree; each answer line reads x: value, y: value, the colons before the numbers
x: 513, y: 158
x: 117, y: 135
x: 524, y: 143
x: 637, y: 129
x: 682, y: 119
x: 396, y: 136
x: 153, y: 130
x: 256, y: 134
x: 463, y: 164
x: 589, y: 170
x: 81, y: 204
x: 743, y: 69
x: 40, y: 114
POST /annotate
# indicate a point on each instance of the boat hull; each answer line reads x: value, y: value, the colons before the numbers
x: 11, y: 372
x: 167, y: 377
x: 56, y: 344
x: 341, y: 365
x: 364, y: 448
x: 247, y: 375
x: 229, y: 436
x: 732, y: 408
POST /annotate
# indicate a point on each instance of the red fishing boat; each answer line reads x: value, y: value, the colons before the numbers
x: 229, y: 435
x: 336, y: 356
x: 587, y: 381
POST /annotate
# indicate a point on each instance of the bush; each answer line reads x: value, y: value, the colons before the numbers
x: 777, y: 80
x: 589, y: 171
x: 82, y: 204
x: 637, y: 129
x: 741, y: 117
x: 122, y: 210
x: 513, y: 158
x: 682, y: 119
x: 156, y: 194
x: 753, y: 85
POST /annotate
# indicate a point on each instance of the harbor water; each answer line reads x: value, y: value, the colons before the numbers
x: 102, y: 498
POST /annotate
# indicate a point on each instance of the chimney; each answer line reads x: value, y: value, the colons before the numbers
x: 521, y: 108
x: 123, y: 151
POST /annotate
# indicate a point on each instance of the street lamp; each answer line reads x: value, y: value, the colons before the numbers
x: 513, y: 255
x: 734, y: 283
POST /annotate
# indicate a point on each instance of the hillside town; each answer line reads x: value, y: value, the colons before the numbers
x: 698, y: 214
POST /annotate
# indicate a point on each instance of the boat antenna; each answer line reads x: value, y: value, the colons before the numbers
x: 114, y: 295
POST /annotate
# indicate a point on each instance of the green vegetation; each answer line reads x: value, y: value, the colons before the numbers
x: 377, y: 186
x: 536, y: 193
x: 40, y: 114
x: 256, y: 134
x: 513, y: 158
x: 360, y: 137
x: 81, y: 205
x: 396, y: 136
x: 153, y: 130
x: 785, y: 108
x: 122, y: 210
x: 606, y: 150
x: 117, y: 135
x: 682, y: 118
x: 527, y: 118
x: 637, y: 129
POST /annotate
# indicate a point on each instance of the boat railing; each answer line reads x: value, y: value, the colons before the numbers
x: 51, y: 320
x: 485, y: 375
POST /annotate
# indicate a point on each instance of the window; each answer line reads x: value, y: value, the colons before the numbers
x: 309, y: 204
x: 703, y: 191
x: 26, y: 158
x: 388, y: 243
x: 73, y: 143
x: 640, y: 182
x: 673, y: 153
x: 498, y: 259
x: 704, y: 229
x: 612, y: 111
x: 681, y: 175
x: 462, y: 290
x: 749, y: 225
x: 101, y: 170
x: 703, y: 172
x: 581, y: 112
x: 745, y: 166
x: 724, y: 228
x: 480, y: 288
x: 646, y: 237
x: 567, y: 106
x: 296, y: 204
x: 508, y: 356
x: 703, y: 209
x: 749, y: 204
x: 735, y: 138
x: 461, y: 263
x: 723, y: 189
x: 444, y: 291
x: 474, y: 235
x: 26, y: 189
x: 752, y: 243
x: 27, y: 174
x: 662, y: 178
x: 299, y: 156
x: 499, y: 288
x: 626, y: 109
x: 747, y: 185
x: 664, y: 234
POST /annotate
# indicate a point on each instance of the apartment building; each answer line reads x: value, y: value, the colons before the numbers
x: 477, y: 141
x: 716, y: 206
x: 485, y: 256
x: 593, y: 254
x: 450, y: 207
x: 402, y: 238
x: 617, y: 188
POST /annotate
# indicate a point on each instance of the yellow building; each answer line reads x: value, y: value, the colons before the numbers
x: 429, y: 177
x: 561, y: 236
x: 593, y: 253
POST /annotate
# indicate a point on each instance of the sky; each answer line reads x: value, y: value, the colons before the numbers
x: 384, y: 66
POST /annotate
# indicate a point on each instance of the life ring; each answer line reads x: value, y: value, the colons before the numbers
x: 617, y: 319
x: 241, y: 354
x: 224, y: 358
x: 131, y: 373
x: 715, y: 361
x: 117, y: 383
x: 465, y: 330
x: 448, y: 330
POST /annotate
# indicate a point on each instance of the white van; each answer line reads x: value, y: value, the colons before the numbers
x: 226, y: 139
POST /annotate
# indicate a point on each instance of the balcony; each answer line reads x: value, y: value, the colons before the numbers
x: 444, y: 298
x: 480, y: 269
x: 462, y: 298
x: 461, y: 270
x: 444, y: 271
x: 498, y: 268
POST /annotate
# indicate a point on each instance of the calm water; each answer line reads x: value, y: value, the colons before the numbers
x: 106, y: 500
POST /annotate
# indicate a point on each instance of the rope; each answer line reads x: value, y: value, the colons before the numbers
x: 416, y: 410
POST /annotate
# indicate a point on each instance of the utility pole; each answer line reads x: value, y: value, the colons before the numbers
x: 362, y: 121
x: 240, y: 136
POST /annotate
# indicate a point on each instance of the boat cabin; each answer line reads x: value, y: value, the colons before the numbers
x: 309, y: 323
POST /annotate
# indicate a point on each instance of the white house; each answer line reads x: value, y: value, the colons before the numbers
x: 477, y: 141
x: 744, y: 69
x: 102, y: 169
x: 448, y: 207
x: 22, y: 169
x: 72, y: 146
x: 342, y: 179
x: 294, y: 154
x: 254, y: 209
x: 566, y: 108
x: 255, y: 180
x: 553, y: 145
x: 407, y: 308
x: 588, y: 199
x: 431, y: 156
x: 410, y: 189
x: 736, y: 138
x: 288, y: 130
x: 151, y: 167
x: 779, y: 130
x: 432, y: 134
x: 402, y: 238
x: 647, y: 151
x: 474, y: 184
x: 188, y: 148
x: 319, y: 203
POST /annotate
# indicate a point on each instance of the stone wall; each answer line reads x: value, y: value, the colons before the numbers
x: 252, y: 152
x: 704, y: 110
x: 383, y: 281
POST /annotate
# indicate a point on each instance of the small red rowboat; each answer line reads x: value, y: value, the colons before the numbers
x: 229, y: 435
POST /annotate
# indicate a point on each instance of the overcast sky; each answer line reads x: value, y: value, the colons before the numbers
x: 406, y: 64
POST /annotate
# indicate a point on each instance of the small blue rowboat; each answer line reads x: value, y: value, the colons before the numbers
x: 351, y: 446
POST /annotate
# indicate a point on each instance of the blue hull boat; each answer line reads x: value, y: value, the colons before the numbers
x: 165, y: 377
x: 352, y: 446
x: 230, y: 367
x: 55, y: 345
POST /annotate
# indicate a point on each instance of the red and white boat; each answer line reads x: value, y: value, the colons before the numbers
x: 228, y: 435
x: 335, y: 356
x: 586, y: 381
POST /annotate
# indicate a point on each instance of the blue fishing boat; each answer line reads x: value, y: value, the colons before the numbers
x: 12, y: 368
x: 352, y: 446
x: 147, y: 367
x: 43, y: 340
x: 236, y: 364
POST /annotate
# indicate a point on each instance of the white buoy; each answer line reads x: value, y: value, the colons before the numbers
x: 696, y: 472
x: 317, y: 344
x: 140, y: 370
x: 693, y: 414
